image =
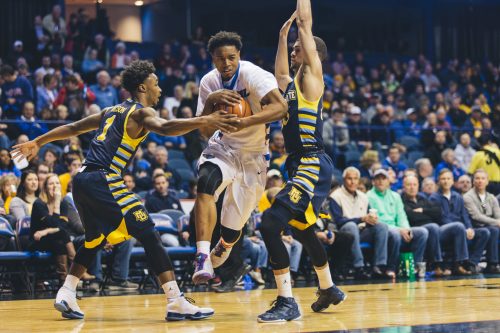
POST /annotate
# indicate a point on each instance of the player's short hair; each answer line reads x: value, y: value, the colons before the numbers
x: 321, y: 48
x: 224, y: 38
x: 135, y: 74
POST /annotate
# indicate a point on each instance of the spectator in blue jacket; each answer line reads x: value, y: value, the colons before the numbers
x: 453, y: 210
x: 393, y: 162
x: 105, y: 93
x: 28, y: 124
x: 449, y: 162
x: 15, y: 91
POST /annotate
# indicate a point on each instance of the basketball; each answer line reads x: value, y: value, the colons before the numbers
x: 242, y: 109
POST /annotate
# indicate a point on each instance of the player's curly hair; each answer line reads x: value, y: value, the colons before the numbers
x: 224, y: 38
x: 135, y: 74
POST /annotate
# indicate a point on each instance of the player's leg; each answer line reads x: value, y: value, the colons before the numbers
x: 66, y: 296
x: 328, y: 293
x: 274, y: 221
x: 210, y: 183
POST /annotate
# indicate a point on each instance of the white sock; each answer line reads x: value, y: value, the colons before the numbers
x: 203, y: 247
x: 324, y: 277
x: 71, y: 282
x: 171, y: 290
x: 284, y: 284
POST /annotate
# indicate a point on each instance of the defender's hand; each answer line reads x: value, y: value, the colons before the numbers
x: 286, y: 26
x: 224, y: 96
x: 227, y: 123
x: 28, y: 149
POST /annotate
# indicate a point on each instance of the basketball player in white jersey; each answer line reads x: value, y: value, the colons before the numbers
x: 235, y: 162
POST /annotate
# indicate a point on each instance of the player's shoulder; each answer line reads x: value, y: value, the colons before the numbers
x: 210, y: 77
x: 250, y: 67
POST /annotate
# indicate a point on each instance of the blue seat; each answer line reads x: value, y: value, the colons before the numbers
x: 186, y: 175
x: 183, y: 223
x: 174, y: 214
x: 176, y: 154
x: 179, y: 164
x: 352, y: 157
x: 15, y: 256
x: 413, y: 156
x: 410, y: 142
x: 365, y: 245
x: 142, y: 194
x: 181, y: 252
x: 164, y: 223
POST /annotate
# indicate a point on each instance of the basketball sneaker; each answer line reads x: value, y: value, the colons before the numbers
x: 332, y: 295
x: 66, y: 304
x: 219, y: 254
x: 282, y: 309
x: 182, y: 308
x: 203, y: 270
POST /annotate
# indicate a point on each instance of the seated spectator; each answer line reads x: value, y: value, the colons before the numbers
x: 55, y: 24
x: 484, y: 211
x: 254, y: 249
x: 7, y: 166
x: 74, y: 164
x: 161, y: 198
x: 473, y: 124
x: 294, y: 249
x: 423, y: 213
x: 42, y: 170
x: 172, y: 103
x: 27, y: 193
x: 463, y: 184
x: 75, y: 96
x: 161, y: 161
x: 16, y: 90
x: 105, y: 93
x: 424, y: 169
x: 277, y: 148
x: 171, y: 142
x: 335, y: 133
x: 488, y: 159
x: 120, y: 58
x: 8, y: 188
x: 464, y: 152
x: 359, y: 131
x: 383, y: 132
x: 48, y: 226
x: 429, y: 186
x: 453, y: 210
x: 274, y: 179
x: 349, y: 210
x: 47, y: 94
x: 91, y: 64
x: 435, y: 149
x: 28, y: 124
x: 129, y: 181
x: 393, y: 162
x: 366, y: 162
x: 390, y: 210
x: 449, y: 162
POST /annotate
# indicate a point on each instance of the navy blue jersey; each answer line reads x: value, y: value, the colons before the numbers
x: 112, y: 148
x: 303, y: 125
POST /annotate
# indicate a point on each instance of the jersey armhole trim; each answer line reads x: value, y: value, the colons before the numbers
x: 125, y: 133
x: 312, y: 104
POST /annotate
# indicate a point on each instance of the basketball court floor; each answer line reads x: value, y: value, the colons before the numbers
x: 471, y: 305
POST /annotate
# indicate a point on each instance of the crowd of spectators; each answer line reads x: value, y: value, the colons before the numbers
x: 408, y: 135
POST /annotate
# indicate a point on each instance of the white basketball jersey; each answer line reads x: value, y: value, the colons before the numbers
x: 253, y: 83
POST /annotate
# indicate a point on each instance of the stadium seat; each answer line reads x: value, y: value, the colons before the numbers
x: 174, y: 154
x: 183, y: 223
x: 179, y: 164
x: 413, y: 156
x: 410, y: 142
x: 186, y: 175
x: 352, y: 157
x: 142, y: 194
x: 164, y: 223
x: 173, y: 213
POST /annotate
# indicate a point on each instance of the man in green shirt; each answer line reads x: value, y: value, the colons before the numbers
x: 390, y: 210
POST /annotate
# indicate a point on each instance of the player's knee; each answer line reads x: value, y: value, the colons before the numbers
x: 209, y: 179
x: 230, y: 235
x: 270, y: 223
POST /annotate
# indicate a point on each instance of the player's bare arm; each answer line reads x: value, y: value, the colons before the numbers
x: 217, y: 120
x: 282, y: 67
x: 30, y: 149
x: 274, y: 107
x: 311, y: 72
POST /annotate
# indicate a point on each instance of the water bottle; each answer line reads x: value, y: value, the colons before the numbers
x: 20, y: 162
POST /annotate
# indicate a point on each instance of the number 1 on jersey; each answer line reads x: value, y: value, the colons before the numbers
x: 109, y: 122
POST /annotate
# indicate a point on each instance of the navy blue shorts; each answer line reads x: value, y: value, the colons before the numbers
x: 308, y: 187
x: 108, y: 210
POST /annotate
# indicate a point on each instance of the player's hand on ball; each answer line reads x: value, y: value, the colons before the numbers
x: 227, y: 123
x: 224, y: 96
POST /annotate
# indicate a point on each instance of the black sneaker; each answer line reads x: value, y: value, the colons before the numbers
x: 225, y: 287
x: 492, y: 269
x: 332, y: 295
x: 244, y: 270
x: 282, y: 309
x: 122, y: 285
